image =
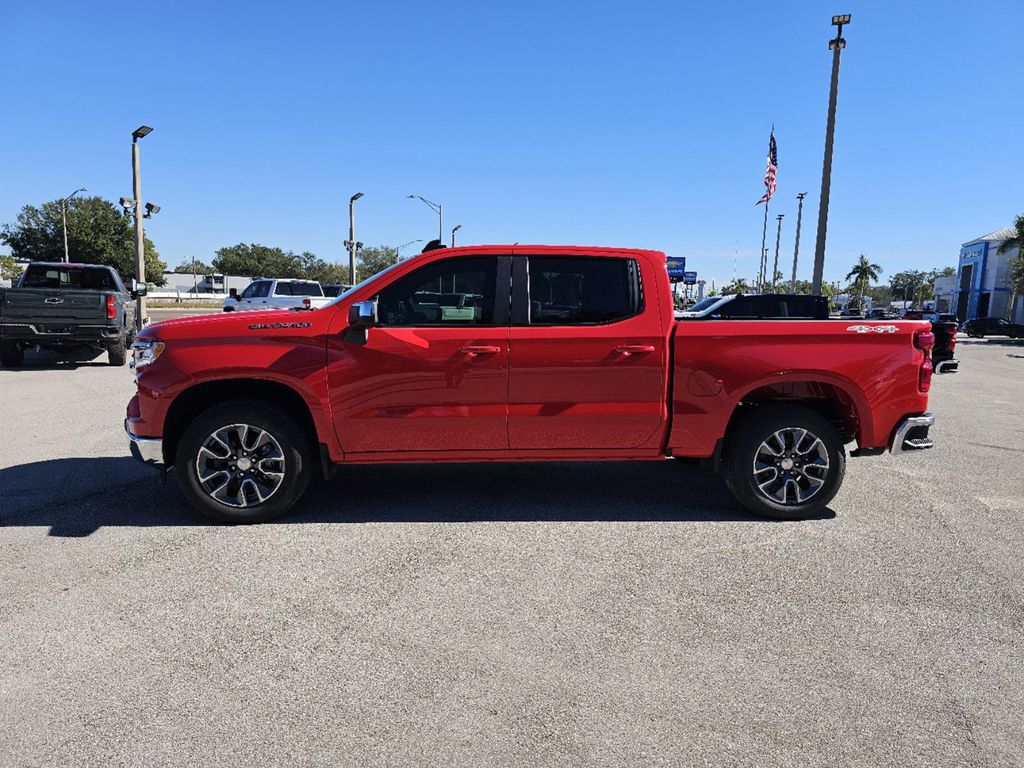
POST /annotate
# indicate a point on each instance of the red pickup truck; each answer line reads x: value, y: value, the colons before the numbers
x: 520, y: 353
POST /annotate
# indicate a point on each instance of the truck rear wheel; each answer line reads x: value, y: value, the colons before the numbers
x: 784, y: 462
x: 118, y: 354
x: 243, y: 462
x: 11, y: 355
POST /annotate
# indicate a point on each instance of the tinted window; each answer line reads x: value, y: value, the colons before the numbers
x: 69, y: 277
x: 450, y: 292
x: 582, y: 291
x: 285, y: 288
x: 250, y: 291
x: 262, y: 288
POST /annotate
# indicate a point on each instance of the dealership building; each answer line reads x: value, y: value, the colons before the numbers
x: 982, y: 287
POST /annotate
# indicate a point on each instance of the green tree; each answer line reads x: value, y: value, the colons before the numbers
x: 370, y: 261
x: 1015, y: 273
x: 97, y: 234
x: 256, y: 260
x: 739, y: 285
x: 863, y: 273
x: 315, y: 268
x: 193, y: 265
x: 9, y: 268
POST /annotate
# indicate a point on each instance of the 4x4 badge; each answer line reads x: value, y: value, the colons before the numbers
x: 873, y: 328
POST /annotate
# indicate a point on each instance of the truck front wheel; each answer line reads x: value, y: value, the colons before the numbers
x: 784, y: 462
x: 243, y: 462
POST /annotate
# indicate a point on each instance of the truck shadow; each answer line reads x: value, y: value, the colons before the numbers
x: 75, y: 497
x: 47, y: 360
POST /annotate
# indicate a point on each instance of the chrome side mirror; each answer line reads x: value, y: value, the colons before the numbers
x: 362, y: 314
x: 138, y: 289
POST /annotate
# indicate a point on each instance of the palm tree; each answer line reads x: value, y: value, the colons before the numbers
x: 862, y: 273
x: 1016, y: 266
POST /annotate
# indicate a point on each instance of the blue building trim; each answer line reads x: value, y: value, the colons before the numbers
x: 976, y: 256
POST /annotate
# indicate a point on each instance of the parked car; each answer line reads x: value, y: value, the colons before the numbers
x: 767, y: 306
x: 63, y: 307
x: 944, y: 328
x: 274, y: 293
x: 335, y: 289
x: 508, y: 353
x: 883, y: 313
x: 981, y: 327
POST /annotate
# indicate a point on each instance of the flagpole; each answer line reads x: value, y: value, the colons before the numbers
x: 761, y: 262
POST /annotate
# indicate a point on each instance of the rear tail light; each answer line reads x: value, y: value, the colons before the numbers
x: 111, y: 307
x: 952, y: 337
x: 925, y: 340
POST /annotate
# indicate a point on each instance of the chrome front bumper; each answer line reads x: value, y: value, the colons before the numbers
x: 912, y: 434
x: 148, y: 450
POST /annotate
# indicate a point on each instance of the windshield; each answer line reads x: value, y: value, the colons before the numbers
x: 703, y: 304
x: 365, y: 281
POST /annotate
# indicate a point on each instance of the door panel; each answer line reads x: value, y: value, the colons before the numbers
x: 584, y: 386
x: 434, y: 375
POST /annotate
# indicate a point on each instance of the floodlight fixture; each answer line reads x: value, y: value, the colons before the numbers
x: 355, y: 197
x: 141, y: 131
x: 841, y: 19
x: 151, y: 208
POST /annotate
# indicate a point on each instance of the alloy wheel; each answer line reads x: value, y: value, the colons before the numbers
x: 240, y: 465
x: 790, y: 466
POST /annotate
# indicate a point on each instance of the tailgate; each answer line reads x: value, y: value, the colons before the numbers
x: 53, y: 305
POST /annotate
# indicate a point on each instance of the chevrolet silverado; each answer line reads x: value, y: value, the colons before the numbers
x: 521, y: 353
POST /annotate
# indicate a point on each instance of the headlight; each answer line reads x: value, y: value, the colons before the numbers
x: 145, y: 352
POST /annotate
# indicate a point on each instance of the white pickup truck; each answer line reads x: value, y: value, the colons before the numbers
x: 277, y: 293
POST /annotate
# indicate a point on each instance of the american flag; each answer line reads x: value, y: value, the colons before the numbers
x: 771, y: 170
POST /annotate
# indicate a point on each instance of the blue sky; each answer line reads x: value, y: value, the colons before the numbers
x: 607, y: 123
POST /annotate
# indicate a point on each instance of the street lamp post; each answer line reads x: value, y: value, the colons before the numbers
x: 351, y: 243
x: 456, y: 229
x: 64, y: 219
x: 436, y: 208
x: 836, y: 46
x: 398, y: 250
x: 778, y: 239
x: 796, y: 248
x: 140, y: 243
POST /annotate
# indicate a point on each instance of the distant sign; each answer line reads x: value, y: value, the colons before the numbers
x: 690, y: 278
x: 676, y: 267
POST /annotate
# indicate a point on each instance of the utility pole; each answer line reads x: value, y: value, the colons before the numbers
x: 351, y: 243
x: 764, y: 251
x: 836, y: 46
x: 778, y: 239
x: 456, y: 229
x: 796, y: 248
x: 140, y: 238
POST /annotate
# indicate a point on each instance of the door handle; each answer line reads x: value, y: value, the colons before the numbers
x: 473, y: 351
x: 634, y: 349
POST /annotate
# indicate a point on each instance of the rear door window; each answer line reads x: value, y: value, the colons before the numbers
x: 582, y: 291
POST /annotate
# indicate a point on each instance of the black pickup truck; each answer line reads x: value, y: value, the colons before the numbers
x: 63, y: 307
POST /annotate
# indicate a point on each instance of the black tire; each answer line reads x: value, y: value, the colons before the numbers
x: 814, y: 471
x: 11, y: 355
x: 118, y: 353
x: 229, y: 309
x: 295, y: 463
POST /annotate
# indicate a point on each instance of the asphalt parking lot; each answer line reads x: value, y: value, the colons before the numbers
x: 525, y: 614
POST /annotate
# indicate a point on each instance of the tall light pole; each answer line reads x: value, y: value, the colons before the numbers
x: 64, y: 218
x: 796, y: 248
x: 778, y: 239
x: 456, y: 229
x: 436, y: 208
x: 351, y: 243
x: 836, y: 46
x: 140, y: 243
x: 398, y: 250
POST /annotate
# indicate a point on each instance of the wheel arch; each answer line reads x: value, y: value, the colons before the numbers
x: 191, y: 402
